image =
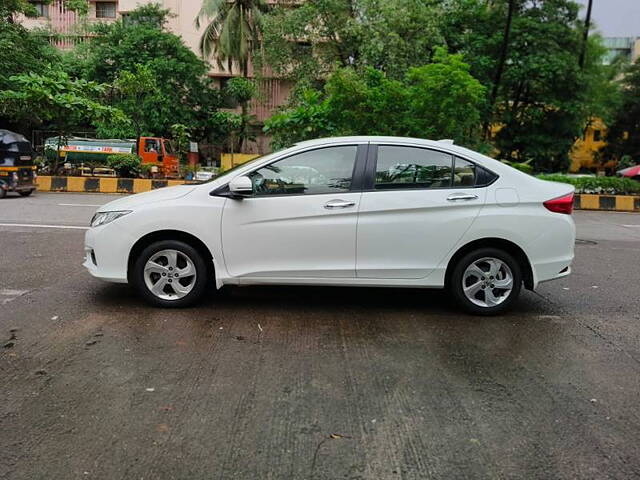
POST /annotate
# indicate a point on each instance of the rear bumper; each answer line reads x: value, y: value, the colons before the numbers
x: 552, y: 252
x: 553, y: 272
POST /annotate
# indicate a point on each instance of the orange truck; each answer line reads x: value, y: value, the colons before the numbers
x: 88, y: 153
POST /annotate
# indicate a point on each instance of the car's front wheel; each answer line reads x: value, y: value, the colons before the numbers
x: 170, y: 273
x: 486, y: 281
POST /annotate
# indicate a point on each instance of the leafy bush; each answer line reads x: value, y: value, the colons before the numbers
x: 126, y: 164
x: 626, y: 161
x: 602, y: 185
x: 525, y: 167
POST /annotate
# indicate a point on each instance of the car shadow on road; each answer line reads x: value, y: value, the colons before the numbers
x: 324, y: 300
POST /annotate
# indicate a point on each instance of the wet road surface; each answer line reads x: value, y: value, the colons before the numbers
x: 312, y: 383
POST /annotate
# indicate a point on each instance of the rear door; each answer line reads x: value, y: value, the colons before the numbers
x: 300, y: 221
x: 417, y: 205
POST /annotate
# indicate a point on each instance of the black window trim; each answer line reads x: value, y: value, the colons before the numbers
x: 357, y: 174
x: 372, y: 162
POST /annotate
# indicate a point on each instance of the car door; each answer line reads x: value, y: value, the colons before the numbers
x: 300, y: 221
x: 417, y: 204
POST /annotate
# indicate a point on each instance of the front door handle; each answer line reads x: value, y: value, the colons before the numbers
x: 461, y: 196
x: 338, y: 204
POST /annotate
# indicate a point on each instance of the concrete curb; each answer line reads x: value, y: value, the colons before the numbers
x: 616, y: 203
x: 102, y: 184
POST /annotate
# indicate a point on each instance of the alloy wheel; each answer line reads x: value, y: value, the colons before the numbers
x: 170, y: 274
x: 487, y: 282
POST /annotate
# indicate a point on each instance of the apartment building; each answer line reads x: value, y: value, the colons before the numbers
x: 67, y: 31
x: 627, y: 48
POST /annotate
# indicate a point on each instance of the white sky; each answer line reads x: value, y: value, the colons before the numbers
x: 615, y: 18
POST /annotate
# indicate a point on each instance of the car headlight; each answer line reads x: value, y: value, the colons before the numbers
x: 102, y: 218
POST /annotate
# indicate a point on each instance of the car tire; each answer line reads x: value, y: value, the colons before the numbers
x: 160, y: 264
x: 3, y: 192
x: 25, y: 193
x: 486, y: 281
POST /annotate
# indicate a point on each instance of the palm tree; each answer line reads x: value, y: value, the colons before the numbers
x: 231, y: 35
x: 232, y: 32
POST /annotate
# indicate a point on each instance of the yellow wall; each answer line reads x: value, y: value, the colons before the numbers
x: 230, y: 160
x: 583, y: 153
x: 584, y: 150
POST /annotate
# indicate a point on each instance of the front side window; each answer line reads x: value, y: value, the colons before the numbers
x: 325, y: 170
x: 105, y: 9
x: 400, y: 167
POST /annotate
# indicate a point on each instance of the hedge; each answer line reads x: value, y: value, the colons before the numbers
x: 598, y: 185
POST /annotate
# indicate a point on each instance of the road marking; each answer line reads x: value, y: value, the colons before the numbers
x: 33, y: 225
x: 10, y: 294
x: 78, y: 205
x: 632, y: 226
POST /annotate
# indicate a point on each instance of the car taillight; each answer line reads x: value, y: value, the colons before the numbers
x: 562, y: 204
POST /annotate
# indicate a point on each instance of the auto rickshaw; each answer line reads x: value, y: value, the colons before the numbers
x: 17, y: 170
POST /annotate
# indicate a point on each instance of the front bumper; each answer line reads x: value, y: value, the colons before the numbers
x: 106, y: 253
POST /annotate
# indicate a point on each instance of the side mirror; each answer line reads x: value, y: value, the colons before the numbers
x: 241, y: 186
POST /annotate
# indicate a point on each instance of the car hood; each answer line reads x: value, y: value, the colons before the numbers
x: 154, y: 196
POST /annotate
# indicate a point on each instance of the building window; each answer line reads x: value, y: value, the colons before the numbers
x: 42, y: 9
x: 105, y: 9
x: 597, y: 135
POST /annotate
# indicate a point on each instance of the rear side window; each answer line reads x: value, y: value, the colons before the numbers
x: 464, y: 173
x: 400, y: 167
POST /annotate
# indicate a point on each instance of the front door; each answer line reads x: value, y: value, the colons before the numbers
x: 420, y: 203
x: 300, y: 221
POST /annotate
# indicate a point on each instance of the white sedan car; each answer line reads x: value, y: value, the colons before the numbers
x: 356, y: 211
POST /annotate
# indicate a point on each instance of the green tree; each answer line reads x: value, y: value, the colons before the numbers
x: 135, y: 93
x: 56, y: 101
x: 309, y: 41
x: 22, y: 51
x: 241, y: 91
x: 439, y: 100
x: 623, y: 134
x: 233, y: 31
x: 528, y: 55
x: 181, y: 138
x: 141, y: 45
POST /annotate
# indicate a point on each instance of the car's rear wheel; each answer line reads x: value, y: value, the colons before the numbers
x: 26, y: 193
x: 170, y: 273
x: 486, y: 281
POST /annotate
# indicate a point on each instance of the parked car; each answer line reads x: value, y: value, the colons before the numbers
x: 203, y: 175
x: 358, y: 211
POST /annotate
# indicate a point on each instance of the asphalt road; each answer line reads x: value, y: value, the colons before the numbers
x: 312, y: 383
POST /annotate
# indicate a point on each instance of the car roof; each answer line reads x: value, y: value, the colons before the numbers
x: 373, y: 138
x: 444, y: 144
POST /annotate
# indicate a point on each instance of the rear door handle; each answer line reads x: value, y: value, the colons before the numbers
x: 461, y: 196
x: 338, y: 204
